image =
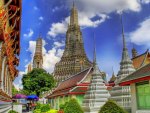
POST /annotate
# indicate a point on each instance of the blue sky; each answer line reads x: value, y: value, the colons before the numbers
x: 49, y: 18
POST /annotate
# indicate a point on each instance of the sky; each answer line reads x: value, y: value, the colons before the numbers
x: 49, y: 19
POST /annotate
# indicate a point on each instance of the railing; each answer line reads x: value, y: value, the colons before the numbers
x: 5, y: 106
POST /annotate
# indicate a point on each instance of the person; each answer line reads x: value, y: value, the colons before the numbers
x: 27, y: 107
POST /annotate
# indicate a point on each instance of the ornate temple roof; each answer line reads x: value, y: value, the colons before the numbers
x: 68, y: 85
x: 141, y: 74
x: 112, y: 79
x: 10, y: 19
x: 139, y: 60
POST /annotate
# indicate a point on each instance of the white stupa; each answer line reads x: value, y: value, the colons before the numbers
x: 122, y: 95
x: 97, y: 94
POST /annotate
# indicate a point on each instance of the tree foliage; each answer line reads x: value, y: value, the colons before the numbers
x: 111, y: 107
x: 37, y: 81
x: 73, y: 107
x: 14, y: 91
x: 12, y: 111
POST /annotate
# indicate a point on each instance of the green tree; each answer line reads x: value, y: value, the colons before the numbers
x: 14, y: 91
x: 111, y: 107
x: 37, y: 81
x: 73, y: 107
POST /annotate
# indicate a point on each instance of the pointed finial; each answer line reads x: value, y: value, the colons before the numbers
x: 94, y: 54
x: 124, y: 42
x: 73, y: 4
x: 113, y: 70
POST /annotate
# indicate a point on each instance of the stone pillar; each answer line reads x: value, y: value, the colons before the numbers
x: 2, y: 73
x: 133, y: 98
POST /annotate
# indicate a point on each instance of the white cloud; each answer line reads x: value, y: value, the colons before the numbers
x: 89, y: 9
x: 18, y: 81
x: 145, y: 1
x: 41, y: 18
x: 57, y: 28
x: 29, y: 34
x: 59, y: 44
x: 51, y: 58
x: 141, y: 35
x: 18, y: 86
x: 32, y: 45
x: 35, y: 8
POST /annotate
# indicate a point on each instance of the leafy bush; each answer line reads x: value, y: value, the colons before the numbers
x: 111, y: 107
x: 52, y: 111
x: 73, y: 107
x: 12, y: 111
x: 62, y: 106
x: 38, y: 106
x: 45, y: 108
x: 37, y: 111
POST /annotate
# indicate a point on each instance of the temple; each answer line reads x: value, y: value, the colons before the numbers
x: 38, y: 56
x: 10, y: 12
x: 74, y: 71
x: 118, y: 93
x: 74, y: 59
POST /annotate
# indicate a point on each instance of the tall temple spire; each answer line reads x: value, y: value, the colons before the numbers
x: 38, y: 57
x: 74, y: 15
x: 94, y: 55
x: 74, y: 59
x: 126, y: 68
x: 123, y: 36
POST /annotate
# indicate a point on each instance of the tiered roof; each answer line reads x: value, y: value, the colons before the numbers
x: 73, y: 85
x: 140, y: 75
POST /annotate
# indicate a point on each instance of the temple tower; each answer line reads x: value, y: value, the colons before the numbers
x: 38, y: 57
x: 74, y: 59
x: 29, y: 68
x: 97, y: 93
x: 122, y: 94
x: 134, y: 52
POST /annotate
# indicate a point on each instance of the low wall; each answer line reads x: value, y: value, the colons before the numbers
x: 5, y: 106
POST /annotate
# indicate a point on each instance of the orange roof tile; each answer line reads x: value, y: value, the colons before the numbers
x: 139, y: 60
